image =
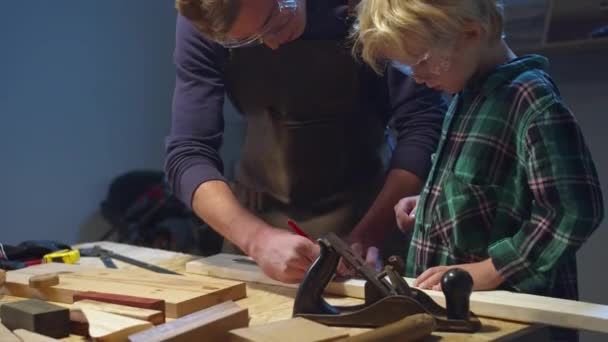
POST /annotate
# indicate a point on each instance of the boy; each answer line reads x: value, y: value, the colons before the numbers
x: 513, y: 191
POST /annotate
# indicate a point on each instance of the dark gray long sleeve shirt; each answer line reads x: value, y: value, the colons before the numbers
x: 414, y: 111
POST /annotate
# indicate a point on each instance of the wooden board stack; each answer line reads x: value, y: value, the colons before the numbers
x: 182, y: 294
x: 496, y: 304
x: 110, y: 305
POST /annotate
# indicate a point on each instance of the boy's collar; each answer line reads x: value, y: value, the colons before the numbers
x: 504, y: 73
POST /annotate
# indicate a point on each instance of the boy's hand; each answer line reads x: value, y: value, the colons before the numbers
x: 405, y: 213
x: 485, y: 276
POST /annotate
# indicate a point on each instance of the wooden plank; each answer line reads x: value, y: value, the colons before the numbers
x: 108, y: 327
x: 293, y: 330
x: 182, y: 295
x: 153, y: 316
x: 138, y: 302
x: 38, y: 316
x: 211, y: 324
x: 6, y: 335
x: 157, y: 280
x: 496, y: 304
x: 234, y: 267
x: 30, y: 336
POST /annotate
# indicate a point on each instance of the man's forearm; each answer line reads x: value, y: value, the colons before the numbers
x: 379, y: 221
x: 215, y: 203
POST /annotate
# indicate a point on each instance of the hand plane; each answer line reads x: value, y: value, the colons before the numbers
x: 386, y: 301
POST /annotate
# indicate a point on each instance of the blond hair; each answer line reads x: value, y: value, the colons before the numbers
x: 214, y: 18
x: 402, y: 26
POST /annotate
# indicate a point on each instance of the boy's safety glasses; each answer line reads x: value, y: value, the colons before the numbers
x: 430, y: 64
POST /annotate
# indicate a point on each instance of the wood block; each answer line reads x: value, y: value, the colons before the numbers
x: 30, y: 336
x: 107, y: 327
x: 6, y: 335
x: 2, y: 277
x: 182, y: 294
x: 211, y: 324
x: 37, y: 316
x: 153, y: 316
x: 410, y: 328
x: 505, y: 305
x: 138, y: 302
x: 293, y: 330
x: 43, y: 280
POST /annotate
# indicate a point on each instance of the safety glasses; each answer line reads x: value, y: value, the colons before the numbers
x: 280, y: 15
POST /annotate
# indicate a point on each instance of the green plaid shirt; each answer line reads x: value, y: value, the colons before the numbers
x: 512, y: 180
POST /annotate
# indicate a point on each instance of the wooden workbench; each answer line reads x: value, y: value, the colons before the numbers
x: 268, y: 303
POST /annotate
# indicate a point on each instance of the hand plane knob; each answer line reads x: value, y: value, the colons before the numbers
x: 457, y: 285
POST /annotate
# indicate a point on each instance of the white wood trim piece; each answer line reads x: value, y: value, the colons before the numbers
x: 108, y: 327
x: 30, y: 336
x: 6, y: 335
x: 496, y: 304
x: 210, y: 324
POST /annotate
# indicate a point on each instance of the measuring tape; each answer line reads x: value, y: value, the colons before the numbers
x: 66, y: 256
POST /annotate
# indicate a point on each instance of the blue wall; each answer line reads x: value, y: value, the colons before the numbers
x: 85, y: 94
x: 583, y: 80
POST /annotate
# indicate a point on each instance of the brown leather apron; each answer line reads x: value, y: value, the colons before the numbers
x: 310, y: 152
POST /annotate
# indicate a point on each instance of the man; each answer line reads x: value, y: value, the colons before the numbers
x: 315, y: 126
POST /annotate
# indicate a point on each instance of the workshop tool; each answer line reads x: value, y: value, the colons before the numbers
x: 298, y: 230
x: 386, y: 301
x: 106, y: 257
x: 27, y: 253
x: 66, y: 256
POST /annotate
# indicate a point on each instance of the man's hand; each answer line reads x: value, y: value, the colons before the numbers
x: 282, y: 255
x: 369, y: 254
x: 405, y: 213
x: 485, y: 276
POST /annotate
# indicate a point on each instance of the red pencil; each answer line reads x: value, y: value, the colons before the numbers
x: 298, y: 230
